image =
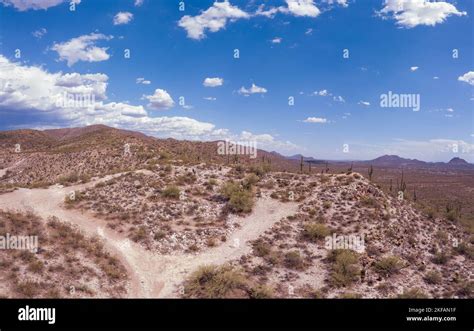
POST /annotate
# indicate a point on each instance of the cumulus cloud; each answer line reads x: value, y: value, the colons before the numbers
x: 160, y: 100
x: 254, y: 89
x: 23, y: 5
x: 303, y: 8
x: 343, y: 3
x: 319, y: 120
x: 138, y: 3
x: 213, y: 19
x: 213, y: 82
x: 82, y: 49
x: 122, y: 18
x: 411, y: 13
x: 468, y: 77
x: 276, y: 40
x: 413, y: 68
x: 364, y: 103
x: 143, y: 81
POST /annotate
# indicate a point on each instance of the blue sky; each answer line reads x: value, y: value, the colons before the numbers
x: 287, y: 48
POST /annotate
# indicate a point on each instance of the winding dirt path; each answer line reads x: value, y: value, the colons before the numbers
x: 152, y: 275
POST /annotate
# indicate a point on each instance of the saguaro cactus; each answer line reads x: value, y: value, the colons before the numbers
x: 371, y: 172
x: 301, y: 164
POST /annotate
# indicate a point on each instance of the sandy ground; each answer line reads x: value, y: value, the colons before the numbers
x: 152, y: 275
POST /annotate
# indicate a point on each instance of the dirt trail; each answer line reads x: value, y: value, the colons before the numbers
x: 152, y: 275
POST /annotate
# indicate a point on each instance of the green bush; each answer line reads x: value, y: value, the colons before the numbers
x: 388, y: 266
x: 414, y: 293
x: 171, y: 192
x: 433, y: 277
x: 293, y: 260
x: 440, y: 258
x: 315, y: 231
x: 345, y: 269
x: 215, y: 282
x: 239, y: 199
x: 261, y: 292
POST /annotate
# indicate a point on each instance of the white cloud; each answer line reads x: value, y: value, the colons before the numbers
x: 413, y: 68
x: 213, y: 82
x: 364, y: 103
x: 254, y: 89
x: 468, y: 77
x: 213, y: 19
x: 138, y: 3
x: 82, y: 49
x: 143, y: 81
x: 270, y: 13
x: 319, y: 120
x: 23, y: 5
x: 322, y: 93
x: 210, y: 98
x: 411, y: 13
x: 39, y: 33
x: 450, y: 110
x: 309, y: 31
x: 276, y: 40
x: 339, y: 99
x: 435, y: 77
x: 159, y: 100
x: 303, y: 8
x: 122, y: 18
x: 343, y: 3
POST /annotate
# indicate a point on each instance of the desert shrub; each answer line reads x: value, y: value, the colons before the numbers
x: 345, y: 269
x: 388, y: 266
x: 367, y: 201
x: 433, y: 277
x: 261, y: 248
x: 250, y: 181
x: 350, y: 295
x: 260, y: 170
x: 36, y: 266
x: 159, y: 235
x: 414, y: 293
x: 171, y: 192
x: 68, y: 179
x: 261, y: 292
x: 240, y: 200
x: 440, y: 257
x: 28, y: 289
x: 139, y: 234
x: 215, y: 282
x: 186, y: 179
x: 293, y: 260
x: 315, y: 231
x: 465, y: 249
x: 466, y: 289
x: 327, y: 204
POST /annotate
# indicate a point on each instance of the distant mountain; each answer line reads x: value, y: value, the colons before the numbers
x: 397, y: 161
x: 458, y: 161
x: 298, y: 157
